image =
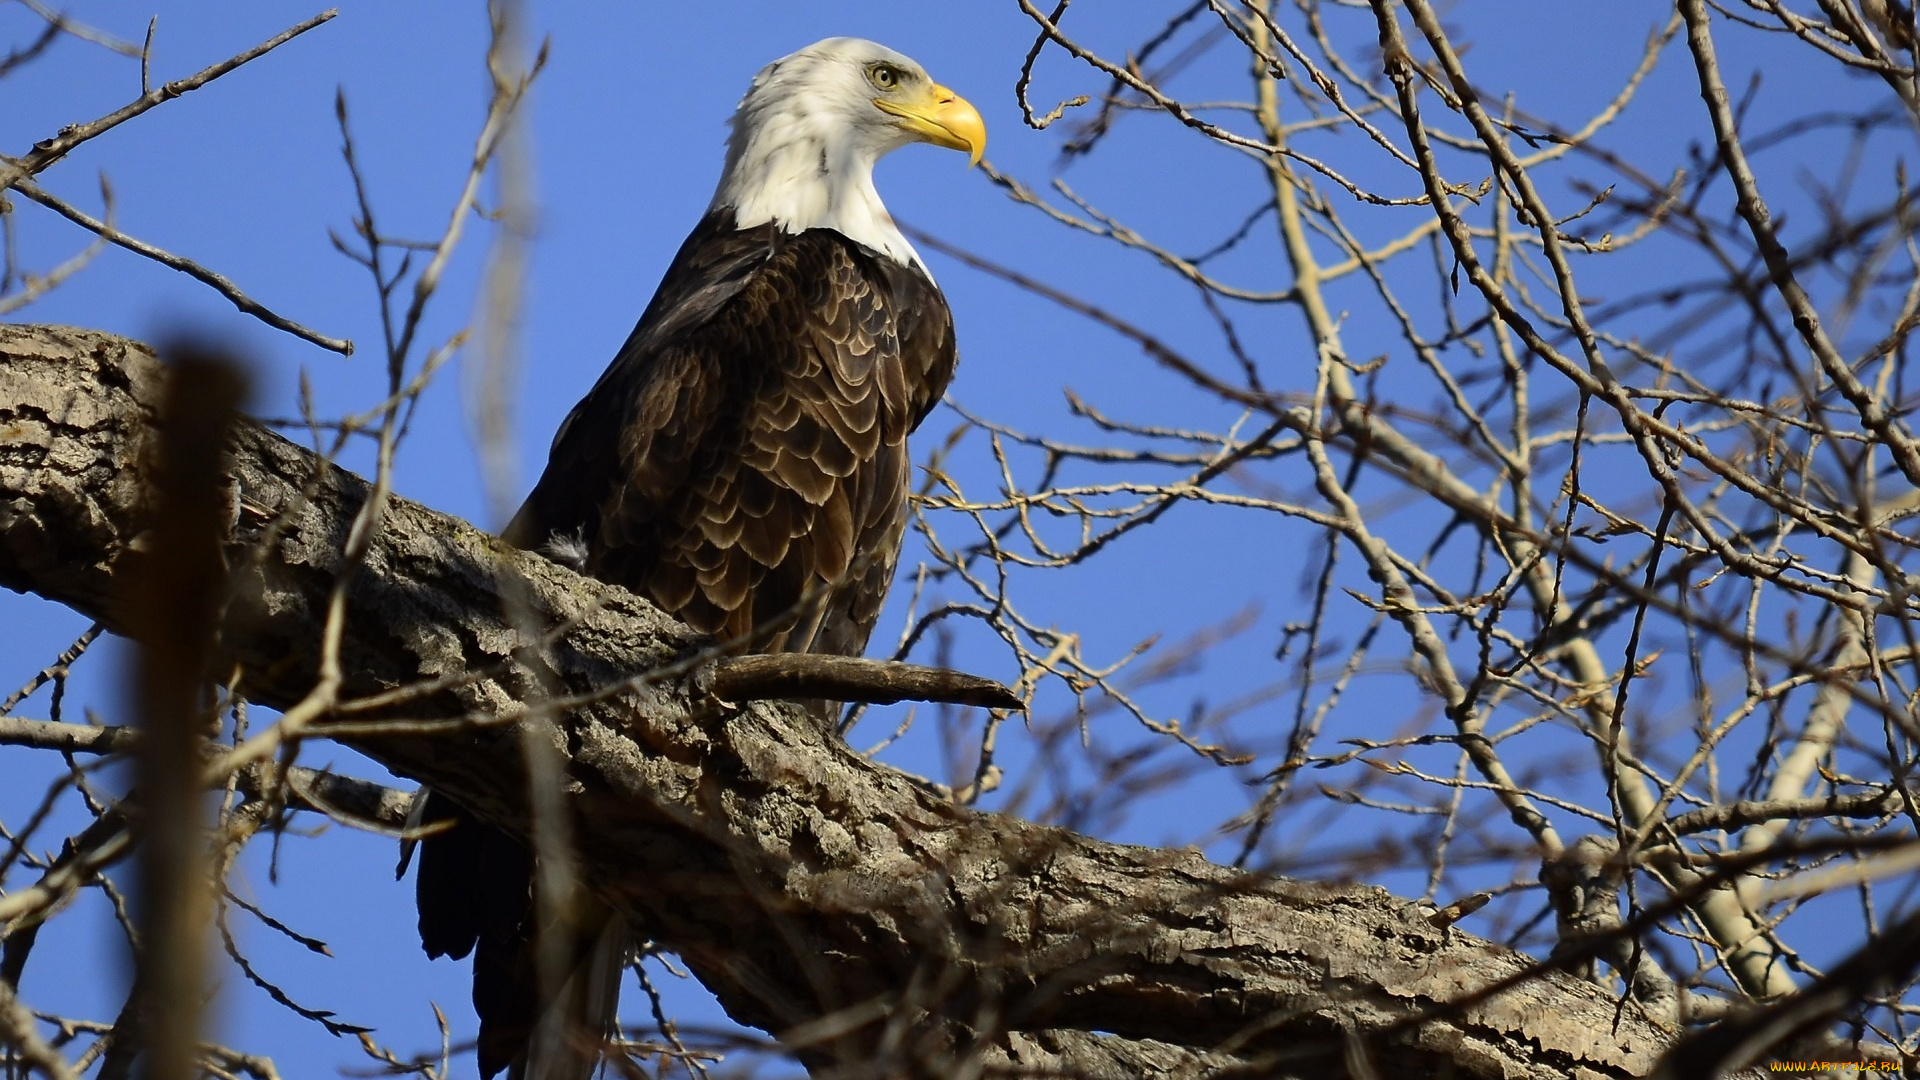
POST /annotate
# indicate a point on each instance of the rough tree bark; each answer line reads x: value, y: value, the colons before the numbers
x: 839, y: 904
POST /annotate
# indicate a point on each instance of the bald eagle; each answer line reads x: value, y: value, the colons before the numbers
x: 742, y: 463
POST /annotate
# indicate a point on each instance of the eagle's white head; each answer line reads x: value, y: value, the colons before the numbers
x: 807, y: 135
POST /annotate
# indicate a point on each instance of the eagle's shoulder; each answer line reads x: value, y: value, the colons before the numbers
x: 868, y: 303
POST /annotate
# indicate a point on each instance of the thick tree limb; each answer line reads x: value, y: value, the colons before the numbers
x: 823, y: 897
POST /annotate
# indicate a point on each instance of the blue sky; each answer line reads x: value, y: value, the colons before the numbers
x: 627, y: 123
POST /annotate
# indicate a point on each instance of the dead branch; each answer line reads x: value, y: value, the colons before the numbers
x: 361, y: 803
x: 848, y: 678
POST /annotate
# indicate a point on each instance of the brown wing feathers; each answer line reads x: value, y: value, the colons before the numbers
x: 747, y: 445
x: 764, y: 449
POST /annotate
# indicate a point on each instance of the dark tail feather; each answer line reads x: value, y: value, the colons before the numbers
x: 474, y: 884
x: 475, y: 895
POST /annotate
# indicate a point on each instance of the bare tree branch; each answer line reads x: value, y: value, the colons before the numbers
x: 52, y: 149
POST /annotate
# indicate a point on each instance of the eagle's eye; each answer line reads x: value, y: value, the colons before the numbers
x: 884, y: 76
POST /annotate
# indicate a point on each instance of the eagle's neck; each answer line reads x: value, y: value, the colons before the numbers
x: 784, y: 169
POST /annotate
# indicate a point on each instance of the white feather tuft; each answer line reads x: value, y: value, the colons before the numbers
x: 567, y: 548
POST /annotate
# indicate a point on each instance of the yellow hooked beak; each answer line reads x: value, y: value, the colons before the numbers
x: 942, y: 118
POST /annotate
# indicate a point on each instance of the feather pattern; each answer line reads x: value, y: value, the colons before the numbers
x: 747, y: 446
x: 744, y: 452
x: 746, y: 449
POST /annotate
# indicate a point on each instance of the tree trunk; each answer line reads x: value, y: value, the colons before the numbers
x: 839, y: 904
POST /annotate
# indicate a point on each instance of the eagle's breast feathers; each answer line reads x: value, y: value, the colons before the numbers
x: 746, y: 450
